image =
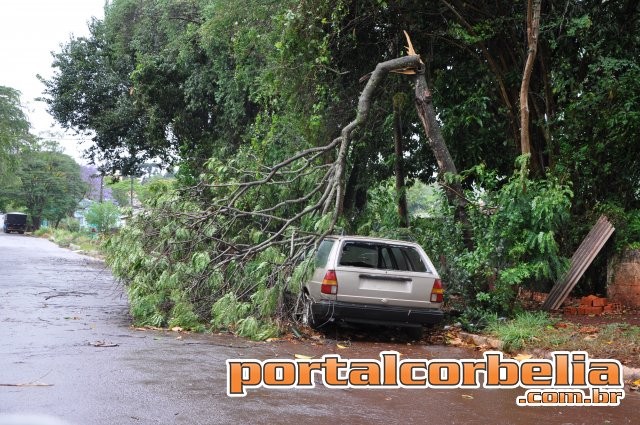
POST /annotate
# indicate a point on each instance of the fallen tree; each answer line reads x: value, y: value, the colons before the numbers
x: 239, y: 237
x: 327, y: 195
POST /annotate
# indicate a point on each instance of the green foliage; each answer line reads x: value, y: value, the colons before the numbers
x: 476, y: 319
x: 65, y: 238
x: 516, y: 223
x: 103, y: 216
x: 626, y: 223
x: 170, y: 255
x: 182, y: 315
x: 228, y: 311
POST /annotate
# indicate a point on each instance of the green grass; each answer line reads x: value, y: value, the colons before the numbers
x: 537, y: 330
x: 525, y: 328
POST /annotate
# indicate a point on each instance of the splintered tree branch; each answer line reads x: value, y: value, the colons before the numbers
x: 364, y: 104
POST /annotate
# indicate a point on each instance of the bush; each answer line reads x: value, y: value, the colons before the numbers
x: 69, y: 223
x: 42, y: 232
x: 103, y: 216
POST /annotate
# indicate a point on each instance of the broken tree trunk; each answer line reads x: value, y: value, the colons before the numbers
x: 403, y: 211
x: 429, y: 121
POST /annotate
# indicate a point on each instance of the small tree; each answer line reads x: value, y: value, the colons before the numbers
x: 103, y: 215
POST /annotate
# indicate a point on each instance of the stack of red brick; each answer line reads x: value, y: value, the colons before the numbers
x: 593, y: 305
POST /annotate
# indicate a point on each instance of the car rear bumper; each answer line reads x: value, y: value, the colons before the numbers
x: 326, y: 311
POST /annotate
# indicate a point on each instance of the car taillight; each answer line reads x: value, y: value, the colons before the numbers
x: 329, y: 283
x: 437, y: 293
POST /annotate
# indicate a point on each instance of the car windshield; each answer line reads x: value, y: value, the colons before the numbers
x: 381, y: 256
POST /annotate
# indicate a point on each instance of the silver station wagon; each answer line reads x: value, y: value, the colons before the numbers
x: 371, y: 280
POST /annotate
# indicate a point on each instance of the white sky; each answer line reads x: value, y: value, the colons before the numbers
x: 29, y: 31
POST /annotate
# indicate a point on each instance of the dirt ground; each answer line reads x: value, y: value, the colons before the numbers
x: 628, y: 316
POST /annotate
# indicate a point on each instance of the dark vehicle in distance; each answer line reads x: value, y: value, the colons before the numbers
x: 15, y: 222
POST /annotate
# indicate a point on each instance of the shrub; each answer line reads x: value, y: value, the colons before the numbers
x: 69, y: 223
x: 103, y: 216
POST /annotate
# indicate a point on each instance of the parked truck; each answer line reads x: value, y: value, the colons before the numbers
x: 15, y: 222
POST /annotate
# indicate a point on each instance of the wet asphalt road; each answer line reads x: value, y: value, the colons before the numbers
x: 55, y: 304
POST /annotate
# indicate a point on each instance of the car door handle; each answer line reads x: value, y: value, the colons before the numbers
x: 385, y: 277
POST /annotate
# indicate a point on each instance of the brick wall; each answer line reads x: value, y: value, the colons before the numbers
x: 623, y: 280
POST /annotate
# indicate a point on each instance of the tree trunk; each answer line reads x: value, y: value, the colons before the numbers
x: 429, y: 121
x: 403, y: 212
x: 35, y: 222
x: 533, y: 29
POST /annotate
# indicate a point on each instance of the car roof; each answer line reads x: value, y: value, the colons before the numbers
x: 369, y: 239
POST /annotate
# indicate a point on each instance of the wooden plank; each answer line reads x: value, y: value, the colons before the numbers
x: 580, y: 261
x: 577, y: 258
x: 597, y: 244
x: 591, y: 245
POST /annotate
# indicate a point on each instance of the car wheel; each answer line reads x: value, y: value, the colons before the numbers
x: 307, y: 318
x: 415, y: 332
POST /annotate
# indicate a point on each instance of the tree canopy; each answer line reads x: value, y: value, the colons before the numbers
x: 14, y: 132
x: 48, y: 184
x: 202, y: 78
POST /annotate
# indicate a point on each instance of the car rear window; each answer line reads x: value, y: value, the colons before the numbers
x: 323, y: 252
x: 381, y: 256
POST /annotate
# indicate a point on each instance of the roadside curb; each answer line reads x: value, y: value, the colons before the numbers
x: 629, y: 373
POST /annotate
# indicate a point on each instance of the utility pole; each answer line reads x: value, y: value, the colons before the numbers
x: 101, y: 187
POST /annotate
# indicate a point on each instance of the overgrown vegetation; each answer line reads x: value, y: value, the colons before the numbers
x: 537, y: 330
x: 71, y: 238
x: 260, y: 104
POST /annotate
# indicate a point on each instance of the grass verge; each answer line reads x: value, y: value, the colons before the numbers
x: 526, y: 329
x: 87, y: 242
x: 538, y: 330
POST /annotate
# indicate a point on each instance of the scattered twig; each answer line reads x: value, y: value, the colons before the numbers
x: 103, y: 344
x: 70, y: 294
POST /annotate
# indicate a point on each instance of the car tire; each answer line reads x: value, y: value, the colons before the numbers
x: 415, y: 332
x: 306, y: 317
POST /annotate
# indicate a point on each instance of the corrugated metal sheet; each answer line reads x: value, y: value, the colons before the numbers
x: 582, y: 258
